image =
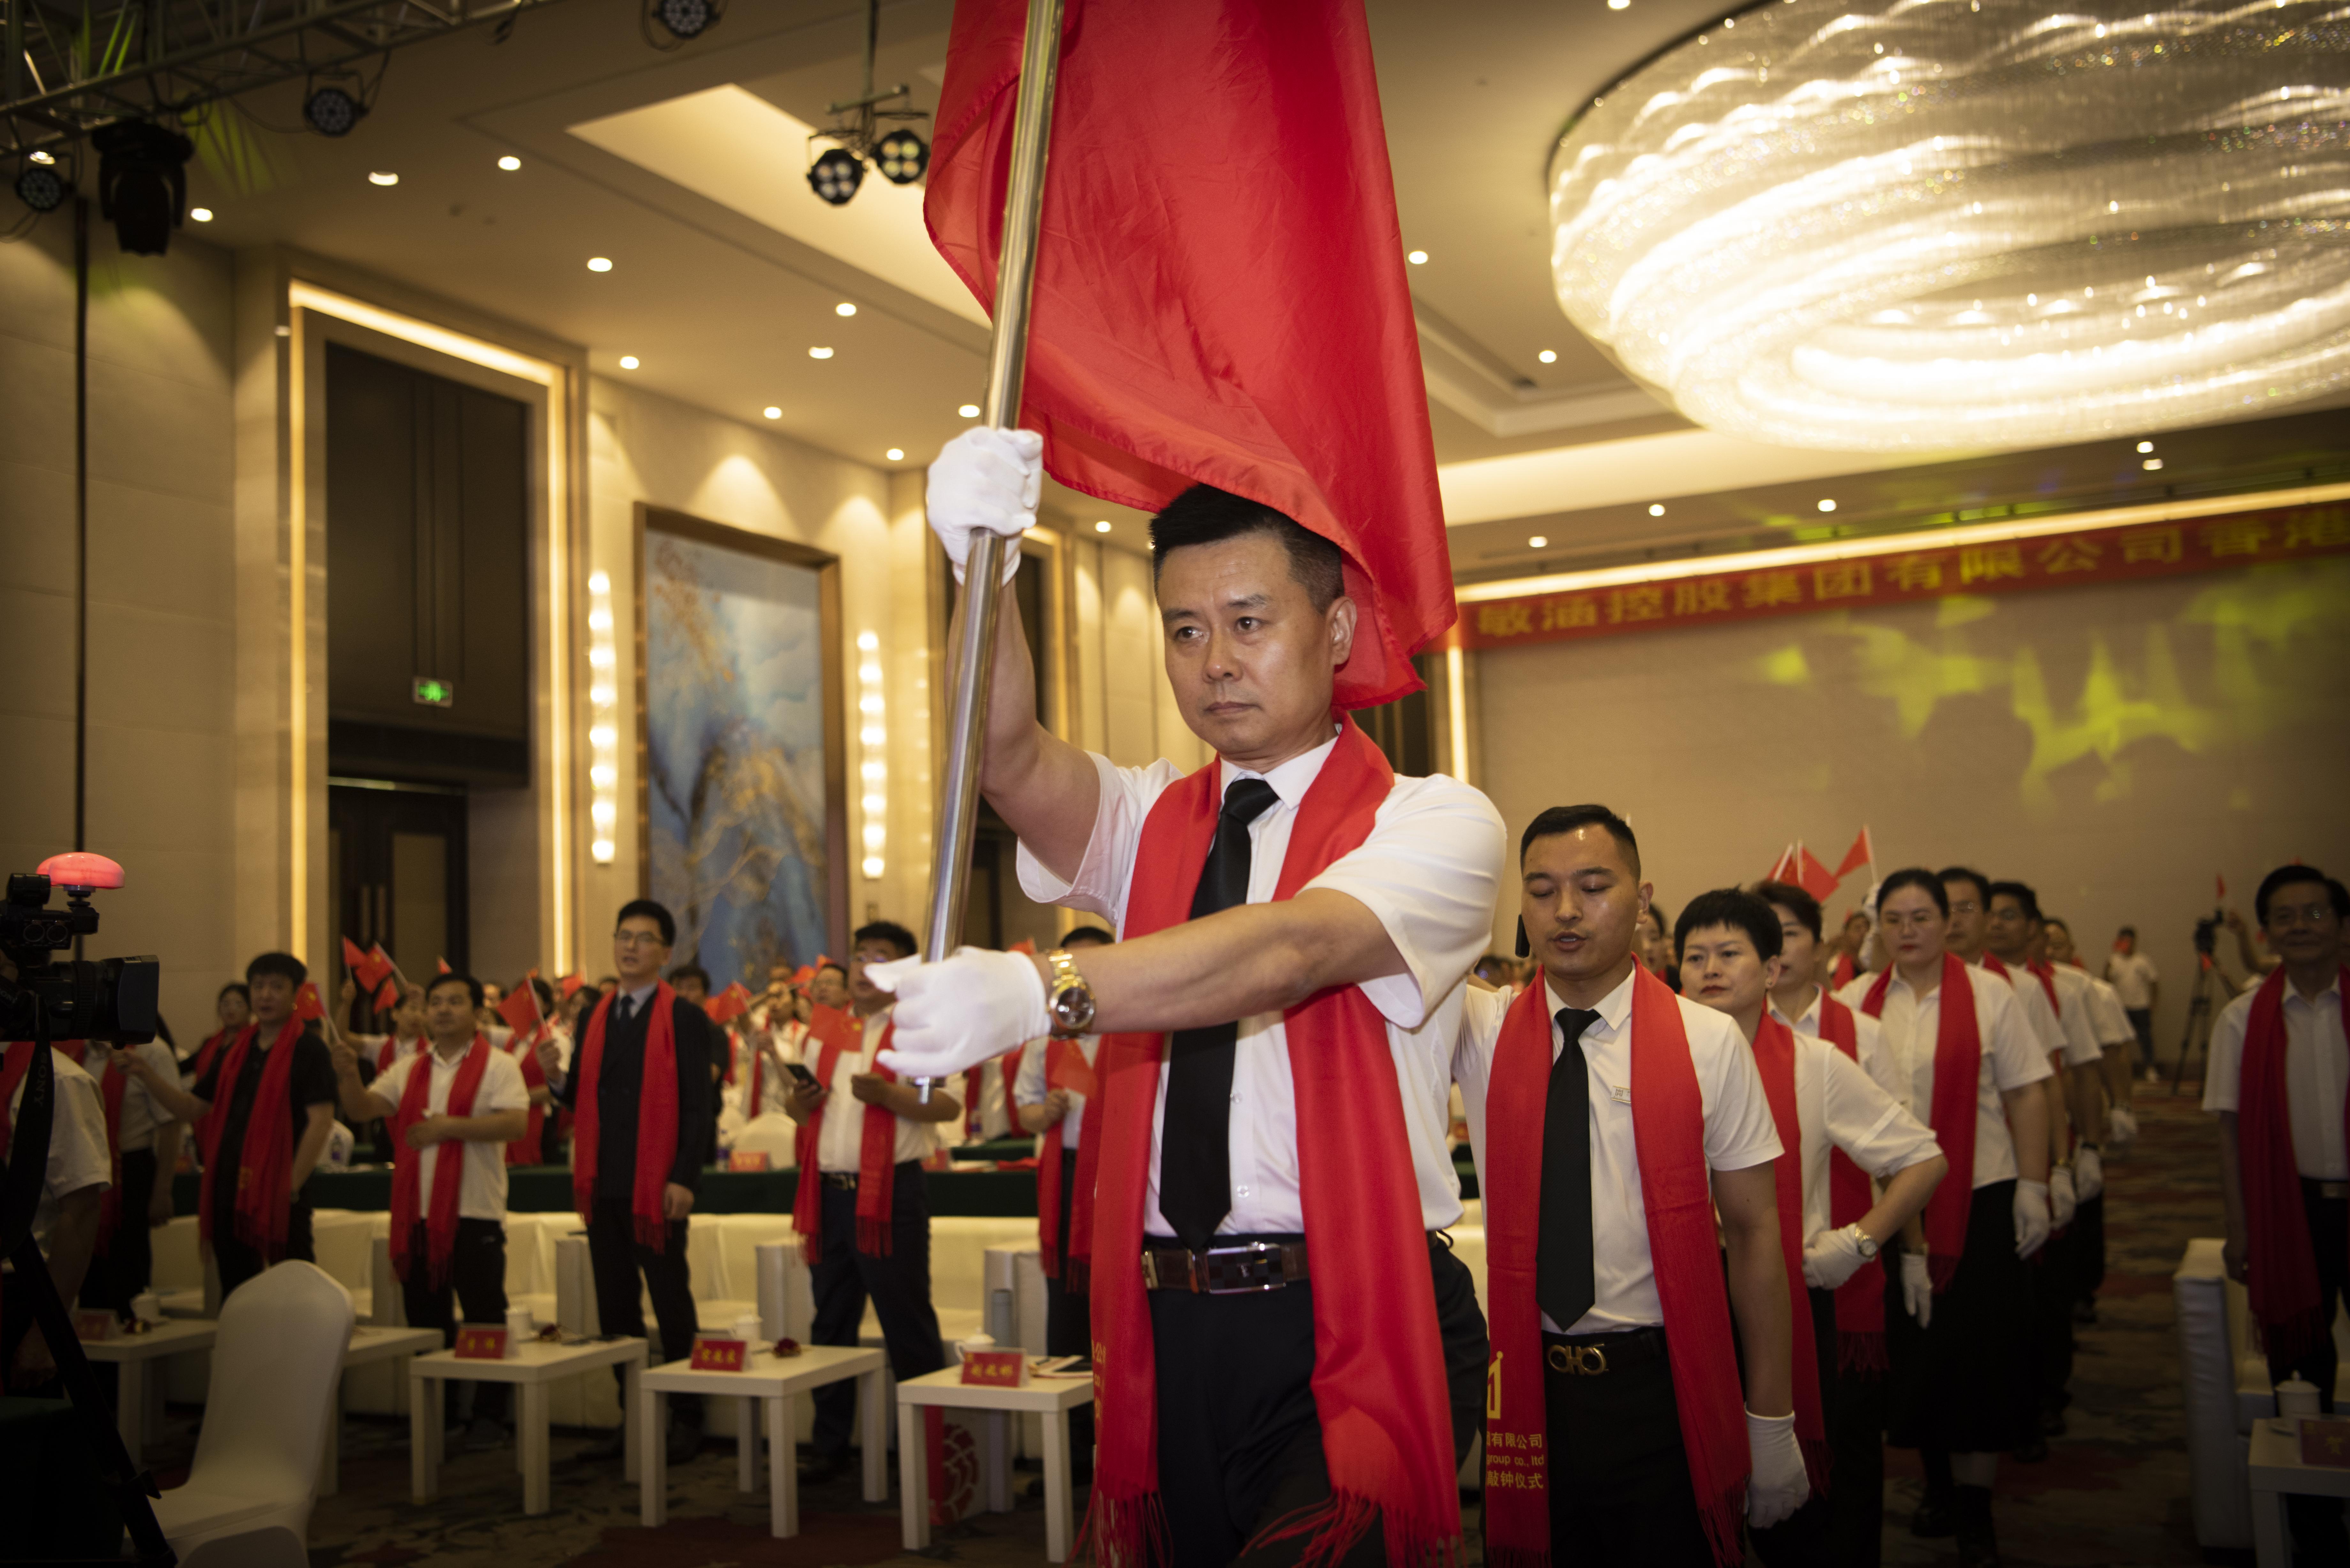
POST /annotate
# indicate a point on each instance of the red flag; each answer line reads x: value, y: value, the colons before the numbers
x: 729, y: 1005
x: 1862, y: 853
x: 306, y: 1003
x: 1783, y: 869
x: 1220, y: 291
x: 1024, y: 945
x: 387, y: 995
x: 803, y: 974
x: 444, y: 963
x: 2223, y: 882
x: 1813, y: 877
x: 569, y: 985
x: 353, y: 956
x: 520, y: 1008
x: 370, y: 968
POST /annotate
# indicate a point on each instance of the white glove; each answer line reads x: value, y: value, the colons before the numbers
x: 986, y: 480
x: 2088, y: 1172
x: 2063, y: 1200
x: 1777, y: 1485
x: 2121, y: 1127
x: 976, y: 1005
x: 1831, y: 1258
x: 2031, y: 1216
x: 1918, y: 1288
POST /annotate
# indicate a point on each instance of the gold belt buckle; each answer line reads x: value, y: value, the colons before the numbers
x: 1578, y: 1360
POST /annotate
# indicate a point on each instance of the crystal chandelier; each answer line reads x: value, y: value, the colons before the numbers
x: 1902, y: 225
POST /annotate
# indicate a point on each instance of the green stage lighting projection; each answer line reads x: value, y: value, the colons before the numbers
x: 433, y: 693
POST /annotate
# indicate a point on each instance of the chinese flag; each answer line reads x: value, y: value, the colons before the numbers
x: 803, y: 974
x: 1813, y: 877
x: 370, y: 968
x: 387, y: 995
x: 1073, y: 1072
x: 569, y: 985
x: 353, y: 956
x: 520, y: 1008
x: 444, y: 963
x: 729, y: 1005
x: 306, y: 1005
x: 2222, y: 885
x: 1220, y: 290
x: 1862, y: 853
x: 1783, y: 869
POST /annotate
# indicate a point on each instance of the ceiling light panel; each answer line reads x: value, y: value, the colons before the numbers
x: 1901, y: 226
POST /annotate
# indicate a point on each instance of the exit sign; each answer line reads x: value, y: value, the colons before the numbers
x: 433, y: 693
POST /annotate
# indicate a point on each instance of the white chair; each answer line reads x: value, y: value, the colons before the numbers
x: 279, y: 1353
x: 774, y: 1135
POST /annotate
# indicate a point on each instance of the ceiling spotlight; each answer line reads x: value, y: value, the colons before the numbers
x: 628, y: 361
x: 1619, y: 5
x: 1539, y: 541
x: 1548, y: 356
x: 2146, y: 446
x: 509, y: 163
x: 331, y: 111
x: 1416, y: 258
x: 2152, y: 465
x: 599, y: 264
x: 1656, y: 509
x: 43, y: 156
x: 685, y: 18
x: 200, y: 214
x: 969, y: 410
x: 836, y: 176
x: 819, y: 353
x: 773, y: 412
x: 43, y: 190
x: 1827, y: 505
x: 1102, y: 526
x: 902, y: 156
x: 142, y: 183
x: 844, y: 308
x: 383, y: 177
x: 896, y: 455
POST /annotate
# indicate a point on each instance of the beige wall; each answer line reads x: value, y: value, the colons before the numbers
x: 2115, y: 746
x: 162, y: 590
x: 1125, y: 709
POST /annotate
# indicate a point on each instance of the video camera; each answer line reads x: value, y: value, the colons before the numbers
x: 112, y: 999
x: 2206, y: 932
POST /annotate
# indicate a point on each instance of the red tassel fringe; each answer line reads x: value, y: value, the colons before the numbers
x: 1725, y: 1525
x: 873, y: 1237
x: 1819, y: 1463
x: 1941, y: 1268
x: 1332, y: 1528
x: 1078, y: 1275
x: 2291, y: 1337
x: 1862, y: 1354
x: 1125, y: 1533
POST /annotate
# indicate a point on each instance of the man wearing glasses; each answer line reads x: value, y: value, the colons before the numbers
x: 639, y: 1088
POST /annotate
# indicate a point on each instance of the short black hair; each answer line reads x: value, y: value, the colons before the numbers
x: 237, y: 986
x: 833, y: 964
x: 1657, y: 913
x: 546, y: 994
x: 1795, y: 901
x: 1087, y: 936
x: 889, y: 932
x: 1962, y: 874
x: 653, y: 911
x: 690, y: 971
x: 2058, y: 920
x: 1731, y: 907
x: 1917, y: 877
x: 472, y: 987
x: 2126, y: 931
x: 2286, y: 875
x: 1560, y: 819
x: 2028, y: 900
x: 286, y: 964
x: 1204, y: 515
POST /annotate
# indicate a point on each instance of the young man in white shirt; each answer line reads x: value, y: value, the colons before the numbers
x: 870, y: 1238
x: 1961, y: 1389
x: 65, y: 1222
x: 147, y: 1144
x: 1295, y: 922
x: 1605, y: 1112
x: 453, y: 1128
x: 1826, y: 1107
x: 2117, y: 1042
x: 2134, y: 979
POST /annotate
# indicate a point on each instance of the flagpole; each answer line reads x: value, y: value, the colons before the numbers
x: 974, y: 651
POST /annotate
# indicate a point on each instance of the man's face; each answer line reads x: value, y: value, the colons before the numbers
x: 779, y: 979
x: 449, y: 1013
x: 637, y: 950
x: 691, y: 988
x: 1855, y: 930
x: 1911, y: 926
x: 2060, y: 942
x: 1721, y: 969
x: 2301, y: 925
x: 1965, y: 931
x: 1580, y: 899
x: 830, y: 988
x: 2007, y: 929
x: 492, y: 994
x: 1799, y: 950
x: 273, y: 998
x: 234, y: 1012
x: 2126, y: 943
x: 1250, y: 658
x: 867, y: 996
x: 408, y: 1014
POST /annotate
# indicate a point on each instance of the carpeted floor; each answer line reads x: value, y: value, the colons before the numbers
x: 2114, y: 1489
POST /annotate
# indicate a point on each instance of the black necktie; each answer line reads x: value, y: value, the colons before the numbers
x: 625, y: 1009
x: 1195, y: 1167
x: 1563, y: 1280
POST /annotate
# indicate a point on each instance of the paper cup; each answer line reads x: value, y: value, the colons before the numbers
x: 520, y: 1327
x: 147, y: 1307
x: 2296, y: 1396
x: 746, y: 1328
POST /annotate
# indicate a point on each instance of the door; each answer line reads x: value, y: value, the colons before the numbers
x: 396, y: 860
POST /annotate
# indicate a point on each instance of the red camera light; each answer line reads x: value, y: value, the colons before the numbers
x: 80, y: 869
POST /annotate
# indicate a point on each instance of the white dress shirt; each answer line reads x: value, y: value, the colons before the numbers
x: 1430, y: 870
x: 783, y: 1044
x: 1739, y: 1132
x: 143, y: 1113
x: 2032, y: 1001
x: 1030, y: 1088
x: 2081, y: 1047
x: 1867, y: 1036
x: 2133, y: 978
x: 482, y: 1179
x: 78, y: 1157
x: 840, y: 1141
x: 2317, y: 1072
x: 2107, y: 1017
x: 2012, y: 1057
x: 1839, y: 1106
x: 991, y: 1118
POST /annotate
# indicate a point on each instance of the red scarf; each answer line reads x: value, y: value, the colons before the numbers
x: 2284, y: 1294
x: 209, y: 1048
x: 1957, y: 1069
x: 448, y: 1168
x: 2048, y: 984
x: 529, y: 1149
x: 1774, y: 1057
x: 1669, y: 1136
x: 1840, y: 974
x: 388, y: 1051
x: 1065, y: 1060
x: 877, y: 1148
x: 1860, y: 1299
x: 975, y: 1085
x: 265, y: 1165
x: 655, y: 1118
x: 1379, y: 1368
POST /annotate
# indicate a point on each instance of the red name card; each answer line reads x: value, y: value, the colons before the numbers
x: 98, y: 1323
x: 747, y: 1160
x: 483, y: 1343
x: 718, y: 1356
x: 995, y: 1369
x: 2325, y: 1441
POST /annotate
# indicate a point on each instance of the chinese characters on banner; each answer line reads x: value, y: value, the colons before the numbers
x: 1893, y: 574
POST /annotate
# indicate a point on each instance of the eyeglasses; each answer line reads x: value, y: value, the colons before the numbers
x: 637, y: 939
x: 1964, y: 907
x: 2280, y: 915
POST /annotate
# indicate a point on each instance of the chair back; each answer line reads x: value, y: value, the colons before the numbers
x: 276, y: 1362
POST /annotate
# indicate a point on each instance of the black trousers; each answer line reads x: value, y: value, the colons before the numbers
x: 477, y: 1281
x: 1619, y: 1482
x: 2141, y: 1022
x: 2089, y: 1248
x: 1965, y: 1384
x: 1069, y: 1324
x: 1856, y: 1412
x: 238, y: 1262
x: 2055, y: 1285
x: 618, y: 1257
x: 2316, y: 1521
x: 124, y: 1268
x: 1806, y: 1538
x: 1239, y: 1441
x: 898, y: 1286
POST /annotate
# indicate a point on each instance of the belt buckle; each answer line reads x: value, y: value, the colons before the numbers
x: 1578, y: 1360
x: 1246, y: 1271
x: 2336, y: 1189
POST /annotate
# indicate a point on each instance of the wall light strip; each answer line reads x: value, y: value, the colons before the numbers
x: 604, y: 723
x: 873, y: 766
x: 1456, y: 710
x: 424, y: 335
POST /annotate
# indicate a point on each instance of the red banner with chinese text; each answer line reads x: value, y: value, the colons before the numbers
x: 1898, y: 574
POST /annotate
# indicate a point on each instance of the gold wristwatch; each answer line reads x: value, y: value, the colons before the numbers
x: 1070, y: 1000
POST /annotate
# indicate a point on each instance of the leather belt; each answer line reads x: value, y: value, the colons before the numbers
x: 1596, y: 1354
x: 2333, y: 1189
x: 844, y: 1180
x: 1225, y: 1271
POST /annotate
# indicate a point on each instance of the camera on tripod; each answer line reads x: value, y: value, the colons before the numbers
x: 112, y: 999
x: 2206, y: 932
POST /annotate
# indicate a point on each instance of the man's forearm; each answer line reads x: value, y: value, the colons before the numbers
x: 489, y: 1126
x: 73, y: 1237
x: 1036, y: 1119
x: 2231, y: 1178
x: 2086, y: 1084
x: 2027, y: 1116
x: 314, y: 1142
x: 355, y: 1099
x: 1254, y: 958
x: 167, y: 1150
x: 1757, y: 1295
x: 1904, y: 1198
x: 2052, y: 1089
x: 182, y: 1105
x: 1045, y: 788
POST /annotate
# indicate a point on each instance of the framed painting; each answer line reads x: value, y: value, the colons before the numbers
x: 742, y: 752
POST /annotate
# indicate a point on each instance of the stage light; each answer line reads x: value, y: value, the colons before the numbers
x: 142, y: 183
x: 1539, y: 542
x: 200, y: 214
x: 1827, y: 505
x: 1656, y: 509
x: 331, y: 111
x: 2146, y: 446
x: 773, y: 412
x: 1102, y: 526
x: 896, y: 455
x: 509, y: 163
x: 628, y: 361
x: 43, y: 190
x: 819, y: 353
x: 969, y: 410
x: 902, y: 156
x: 1418, y: 258
x: 1548, y: 356
x: 599, y: 264
x: 43, y: 156
x: 383, y: 177
x: 685, y: 18
x: 1619, y: 5
x: 836, y: 176
x: 2152, y: 464
x: 844, y: 308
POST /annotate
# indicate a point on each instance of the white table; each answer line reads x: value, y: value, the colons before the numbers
x: 368, y: 1345
x: 2276, y: 1470
x: 541, y: 1363
x: 131, y: 1354
x: 775, y: 1382
x: 1051, y: 1398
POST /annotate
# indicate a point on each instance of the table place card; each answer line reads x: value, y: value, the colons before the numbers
x: 717, y: 1354
x: 2325, y: 1441
x: 747, y: 1160
x: 482, y: 1341
x: 995, y: 1369
x: 95, y: 1323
